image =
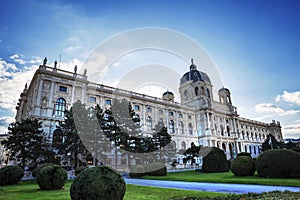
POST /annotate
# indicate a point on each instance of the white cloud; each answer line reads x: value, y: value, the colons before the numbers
x: 18, y: 58
x: 268, y: 108
x: 73, y: 40
x: 12, y: 83
x: 290, y: 97
x: 35, y: 60
x: 15, y: 56
x: 6, y: 69
x: 70, y: 64
x: 4, y: 122
x: 292, y: 130
x: 273, y: 109
x: 72, y: 48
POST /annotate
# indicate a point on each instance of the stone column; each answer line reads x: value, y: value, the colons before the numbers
x: 82, y: 94
x: 51, y: 94
x: 207, y: 120
x: 39, y: 95
x: 73, y: 93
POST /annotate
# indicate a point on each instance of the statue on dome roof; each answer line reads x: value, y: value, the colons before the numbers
x: 45, y: 61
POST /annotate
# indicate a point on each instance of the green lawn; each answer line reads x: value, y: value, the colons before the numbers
x: 29, y: 190
x: 226, y: 177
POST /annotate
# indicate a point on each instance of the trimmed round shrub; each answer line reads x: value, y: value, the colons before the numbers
x: 10, y: 175
x: 99, y: 182
x: 79, y: 170
x: 215, y: 161
x: 278, y: 163
x: 156, y: 169
x: 244, y: 154
x: 52, y: 177
x: 37, y: 170
x: 243, y: 166
x: 137, y: 171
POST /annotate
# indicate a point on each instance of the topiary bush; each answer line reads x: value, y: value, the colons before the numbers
x: 37, y: 170
x: 243, y: 166
x: 79, y: 170
x: 278, y: 163
x: 52, y: 177
x: 156, y: 169
x: 244, y: 154
x: 137, y: 171
x: 214, y: 161
x: 10, y: 175
x: 100, y: 182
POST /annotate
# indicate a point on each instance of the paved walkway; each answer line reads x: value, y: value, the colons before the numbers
x: 212, y: 187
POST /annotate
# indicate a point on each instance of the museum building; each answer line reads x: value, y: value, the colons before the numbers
x: 199, y: 118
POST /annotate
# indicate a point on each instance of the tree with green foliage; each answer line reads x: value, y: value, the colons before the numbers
x: 72, y: 147
x: 192, y: 152
x: 162, y: 140
x: 271, y: 143
x: 88, y: 126
x: 125, y: 130
x: 25, y: 142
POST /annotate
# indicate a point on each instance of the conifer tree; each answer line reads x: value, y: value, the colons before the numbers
x: 72, y: 146
x: 25, y: 141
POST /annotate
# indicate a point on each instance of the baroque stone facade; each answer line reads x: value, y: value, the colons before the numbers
x: 198, y: 119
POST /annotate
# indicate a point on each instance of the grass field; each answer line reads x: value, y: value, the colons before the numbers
x: 226, y: 177
x: 29, y: 190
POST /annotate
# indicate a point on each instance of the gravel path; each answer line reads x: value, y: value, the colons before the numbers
x: 212, y: 187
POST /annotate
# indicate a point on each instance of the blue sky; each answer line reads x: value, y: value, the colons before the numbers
x: 255, y: 45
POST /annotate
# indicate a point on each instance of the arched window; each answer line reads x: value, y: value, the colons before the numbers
x: 207, y: 93
x: 190, y: 129
x: 171, y: 126
x: 181, y: 127
x: 222, y: 130
x: 224, y: 147
x: 196, y: 91
x: 183, y: 145
x: 60, y: 107
x: 216, y: 128
x: 228, y: 131
x: 228, y: 99
x: 202, y: 90
x: 149, y: 122
x: 57, y: 138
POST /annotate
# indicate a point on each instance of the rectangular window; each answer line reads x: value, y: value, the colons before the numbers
x: 108, y: 102
x: 149, y: 109
x: 189, y: 117
x: 180, y: 115
x: 161, y: 112
x: 171, y: 114
x: 62, y: 89
x: 93, y: 99
x: 136, y: 107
